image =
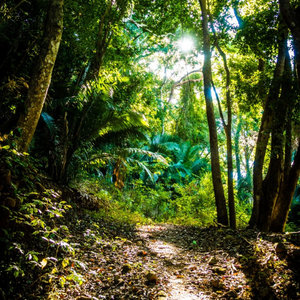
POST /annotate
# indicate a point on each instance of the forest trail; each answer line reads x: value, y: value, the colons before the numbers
x: 219, y: 263
x: 110, y: 259
x: 174, y: 257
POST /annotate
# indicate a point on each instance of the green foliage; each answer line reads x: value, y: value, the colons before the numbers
x: 294, y: 214
x: 151, y: 202
x: 195, y: 202
x: 291, y: 227
x: 117, y: 205
x: 243, y: 213
x: 192, y: 203
x: 32, y: 240
x: 96, y: 119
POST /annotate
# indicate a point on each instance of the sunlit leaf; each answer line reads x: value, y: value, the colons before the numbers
x: 65, y: 262
x: 44, y: 263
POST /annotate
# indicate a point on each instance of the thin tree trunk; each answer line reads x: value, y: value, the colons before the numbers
x: 215, y: 163
x: 288, y: 145
x: 228, y: 129
x: 108, y: 19
x: 237, y: 151
x: 247, y: 154
x: 42, y: 72
x: 105, y: 34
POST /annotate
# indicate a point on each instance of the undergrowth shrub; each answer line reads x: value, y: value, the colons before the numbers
x: 152, y: 202
x: 195, y: 204
x: 32, y: 240
x: 243, y: 213
x: 117, y: 204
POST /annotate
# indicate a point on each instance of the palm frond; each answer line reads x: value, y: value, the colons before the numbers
x: 142, y: 152
x: 199, y: 165
x: 117, y: 138
x: 181, y: 168
x: 125, y: 121
x: 141, y: 165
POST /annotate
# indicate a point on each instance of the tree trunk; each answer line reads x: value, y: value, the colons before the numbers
x: 247, y: 153
x: 291, y: 17
x: 259, y: 204
x: 228, y: 129
x: 215, y: 164
x: 42, y: 72
x: 237, y: 152
x: 272, y: 182
x: 282, y: 207
x: 279, y: 185
x: 111, y: 15
x: 290, y: 174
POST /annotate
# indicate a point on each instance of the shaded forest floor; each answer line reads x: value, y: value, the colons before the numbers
x: 51, y: 250
x: 84, y: 254
x: 115, y: 260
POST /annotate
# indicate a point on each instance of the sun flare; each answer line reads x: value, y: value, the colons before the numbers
x: 186, y: 44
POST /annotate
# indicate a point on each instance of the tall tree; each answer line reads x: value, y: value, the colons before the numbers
x: 291, y: 173
x: 228, y: 131
x: 273, y: 194
x: 108, y: 30
x: 291, y: 16
x: 261, y: 204
x: 214, y: 150
x: 110, y: 17
x: 41, y: 76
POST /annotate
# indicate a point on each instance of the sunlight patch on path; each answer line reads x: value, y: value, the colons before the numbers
x: 177, y: 288
x: 181, y: 292
x: 163, y: 249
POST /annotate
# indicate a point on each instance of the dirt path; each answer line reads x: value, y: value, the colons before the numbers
x: 195, y: 263
x: 117, y: 261
x: 174, y: 257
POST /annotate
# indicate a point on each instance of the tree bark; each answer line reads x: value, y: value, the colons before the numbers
x: 271, y: 184
x: 41, y: 76
x: 290, y: 174
x: 260, y: 204
x: 283, y: 204
x: 279, y: 185
x: 228, y: 129
x: 291, y: 17
x: 105, y: 33
x: 213, y: 138
x: 237, y: 152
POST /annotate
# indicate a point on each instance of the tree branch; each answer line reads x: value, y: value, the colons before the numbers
x: 12, y: 9
x: 219, y: 106
x: 179, y: 83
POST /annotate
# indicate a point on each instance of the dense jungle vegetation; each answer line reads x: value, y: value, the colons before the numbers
x: 115, y: 114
